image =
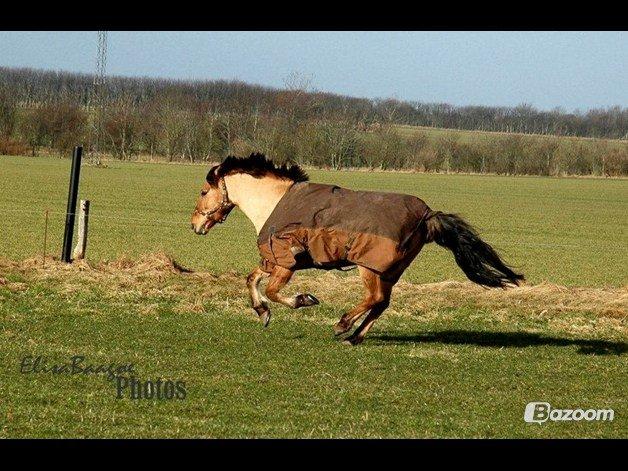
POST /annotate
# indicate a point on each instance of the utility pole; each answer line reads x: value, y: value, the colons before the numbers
x: 98, y: 97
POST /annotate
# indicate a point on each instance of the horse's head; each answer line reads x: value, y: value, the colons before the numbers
x: 213, y: 205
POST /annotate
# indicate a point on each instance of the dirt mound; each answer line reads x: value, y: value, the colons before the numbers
x: 537, y: 299
x: 147, y: 272
x: 159, y: 262
x: 611, y: 302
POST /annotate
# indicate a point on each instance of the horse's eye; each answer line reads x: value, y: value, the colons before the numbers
x: 203, y: 193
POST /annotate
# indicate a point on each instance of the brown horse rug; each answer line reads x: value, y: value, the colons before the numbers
x: 325, y: 226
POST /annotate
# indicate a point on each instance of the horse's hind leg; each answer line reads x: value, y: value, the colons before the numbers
x: 382, y: 295
x: 378, y: 296
x: 372, y: 283
x: 258, y: 301
x: 279, y: 277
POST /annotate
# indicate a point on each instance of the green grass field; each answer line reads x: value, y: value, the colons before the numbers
x: 567, y: 231
x: 446, y: 360
x: 468, y: 136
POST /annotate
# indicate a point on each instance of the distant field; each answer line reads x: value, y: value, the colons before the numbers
x: 566, y: 231
x: 448, y: 359
x: 467, y: 135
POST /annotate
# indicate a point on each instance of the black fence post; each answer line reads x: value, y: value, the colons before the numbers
x: 70, y: 214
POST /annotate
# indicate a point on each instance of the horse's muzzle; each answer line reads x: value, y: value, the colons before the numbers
x: 203, y: 229
x: 200, y: 230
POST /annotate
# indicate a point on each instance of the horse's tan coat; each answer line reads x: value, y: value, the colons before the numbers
x: 256, y: 197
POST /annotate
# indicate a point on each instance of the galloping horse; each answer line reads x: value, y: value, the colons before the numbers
x: 309, y: 225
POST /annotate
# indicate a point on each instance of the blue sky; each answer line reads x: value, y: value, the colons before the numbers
x: 573, y: 70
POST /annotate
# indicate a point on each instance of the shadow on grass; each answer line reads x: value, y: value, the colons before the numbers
x: 508, y: 339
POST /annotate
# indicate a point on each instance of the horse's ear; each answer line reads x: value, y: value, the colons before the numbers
x: 211, y: 176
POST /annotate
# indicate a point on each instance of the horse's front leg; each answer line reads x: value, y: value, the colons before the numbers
x: 279, y: 277
x: 258, y: 300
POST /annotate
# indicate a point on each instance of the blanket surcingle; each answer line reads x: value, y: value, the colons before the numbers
x: 325, y: 226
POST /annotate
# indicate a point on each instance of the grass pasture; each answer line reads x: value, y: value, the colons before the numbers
x: 469, y: 135
x: 568, y: 231
x: 447, y: 360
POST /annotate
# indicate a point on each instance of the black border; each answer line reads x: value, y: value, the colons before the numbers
x: 298, y: 16
x: 215, y: 453
x: 260, y: 16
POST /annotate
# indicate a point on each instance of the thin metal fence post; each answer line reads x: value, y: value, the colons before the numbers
x: 71, y: 210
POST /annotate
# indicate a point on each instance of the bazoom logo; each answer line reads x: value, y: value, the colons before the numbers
x: 539, y: 412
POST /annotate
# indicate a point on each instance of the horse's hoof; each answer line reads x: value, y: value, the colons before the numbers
x: 353, y: 341
x: 265, y: 318
x: 304, y: 300
x: 263, y: 313
x: 340, y: 329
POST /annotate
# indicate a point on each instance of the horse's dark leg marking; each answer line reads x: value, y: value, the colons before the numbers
x: 258, y: 301
x: 370, y: 280
x: 279, y: 277
x: 382, y: 296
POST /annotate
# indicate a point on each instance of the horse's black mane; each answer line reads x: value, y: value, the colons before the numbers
x: 258, y: 166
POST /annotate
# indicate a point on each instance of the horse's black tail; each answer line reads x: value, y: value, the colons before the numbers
x: 478, y: 260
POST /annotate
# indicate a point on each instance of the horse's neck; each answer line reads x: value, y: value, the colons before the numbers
x: 256, y: 197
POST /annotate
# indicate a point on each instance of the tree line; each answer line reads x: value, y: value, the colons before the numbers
x: 30, y: 87
x: 43, y: 111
